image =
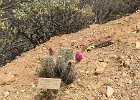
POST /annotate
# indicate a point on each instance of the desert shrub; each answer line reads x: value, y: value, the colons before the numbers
x: 127, y: 6
x: 106, y: 10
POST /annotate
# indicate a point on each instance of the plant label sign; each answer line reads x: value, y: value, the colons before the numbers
x: 49, y: 83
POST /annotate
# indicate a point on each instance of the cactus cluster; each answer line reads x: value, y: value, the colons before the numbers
x: 64, y: 67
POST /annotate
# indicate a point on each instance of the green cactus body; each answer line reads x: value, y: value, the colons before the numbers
x: 69, y: 75
x: 60, y: 66
x: 48, y: 68
x: 66, y: 53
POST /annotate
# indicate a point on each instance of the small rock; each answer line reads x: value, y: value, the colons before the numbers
x: 137, y: 30
x: 72, y: 86
x: 82, y: 71
x: 101, y: 60
x: 87, y: 72
x: 33, y: 85
x: 130, y: 82
x: 44, y: 48
x: 134, y: 32
x: 100, y: 67
x: 89, y: 49
x: 89, y: 87
x: 67, y: 92
x: 133, y: 94
x: 22, y: 90
x: 138, y: 45
x: 78, y: 80
x: 110, y: 91
x: 6, y: 94
x: 126, y: 63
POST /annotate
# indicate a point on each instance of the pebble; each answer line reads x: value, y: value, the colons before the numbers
x: 82, y: 71
x: 22, y: 90
x: 89, y: 87
x: 78, y: 80
x: 100, y: 68
x: 133, y: 94
x: 89, y: 49
x: 138, y: 45
x: 110, y: 91
x: 33, y: 85
x: 130, y: 82
x: 87, y: 72
x: 44, y: 48
x: 126, y: 63
x: 72, y: 85
x: 6, y: 94
x: 67, y: 92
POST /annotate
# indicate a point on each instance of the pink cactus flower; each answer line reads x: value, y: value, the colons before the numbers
x: 78, y: 56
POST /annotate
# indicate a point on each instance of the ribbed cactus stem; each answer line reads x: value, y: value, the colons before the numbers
x: 48, y: 67
x: 69, y: 74
x: 66, y: 53
x: 60, y: 66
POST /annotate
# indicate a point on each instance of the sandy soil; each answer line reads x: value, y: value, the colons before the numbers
x: 21, y: 75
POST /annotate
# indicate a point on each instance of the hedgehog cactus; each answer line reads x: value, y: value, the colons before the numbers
x: 48, y: 68
x: 69, y: 75
x: 66, y: 53
x: 60, y: 66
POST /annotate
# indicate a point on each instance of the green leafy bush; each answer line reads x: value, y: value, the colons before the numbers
x: 40, y: 19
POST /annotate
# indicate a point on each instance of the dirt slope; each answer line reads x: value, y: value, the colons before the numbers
x: 125, y: 81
